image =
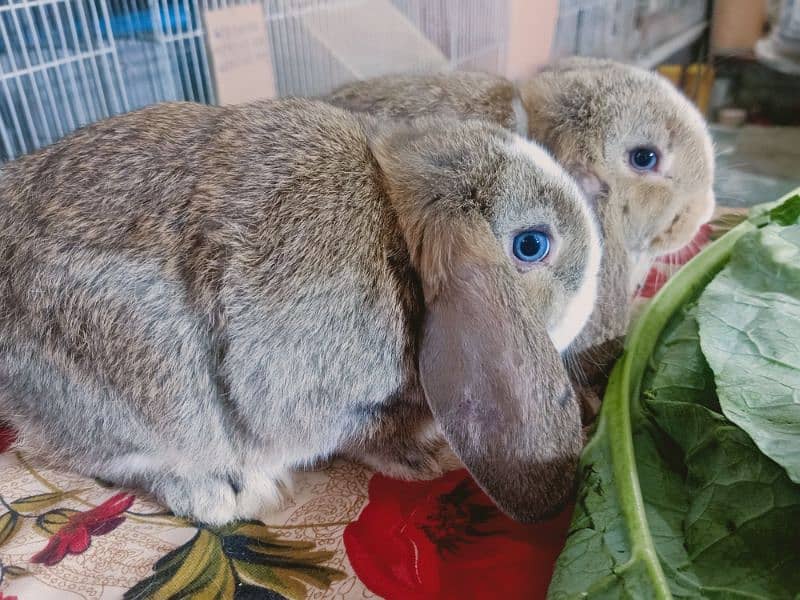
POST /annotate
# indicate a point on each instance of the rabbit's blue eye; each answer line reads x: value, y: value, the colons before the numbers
x: 643, y: 159
x: 531, y: 246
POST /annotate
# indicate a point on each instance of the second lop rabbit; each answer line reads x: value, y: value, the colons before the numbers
x: 197, y: 300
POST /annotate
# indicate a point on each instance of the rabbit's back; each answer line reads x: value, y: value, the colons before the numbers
x: 122, y: 182
x: 86, y: 226
x: 184, y: 269
x: 460, y: 95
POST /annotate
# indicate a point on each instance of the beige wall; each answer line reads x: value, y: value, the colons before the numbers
x: 533, y: 24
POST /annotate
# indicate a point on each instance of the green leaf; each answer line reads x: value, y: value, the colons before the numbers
x: 14, y: 572
x: 786, y: 213
x: 285, y: 566
x: 9, y: 524
x: 674, y: 499
x: 731, y: 529
x: 241, y: 555
x: 53, y: 521
x: 35, y: 503
x: 198, y: 568
x: 719, y: 519
x: 750, y: 329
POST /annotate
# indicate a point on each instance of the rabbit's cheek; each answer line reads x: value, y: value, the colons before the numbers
x: 573, y: 309
x: 644, y: 205
x: 685, y: 223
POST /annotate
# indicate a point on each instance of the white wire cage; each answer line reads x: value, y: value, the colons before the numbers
x: 66, y: 63
x: 58, y: 70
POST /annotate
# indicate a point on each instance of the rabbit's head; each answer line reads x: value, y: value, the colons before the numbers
x: 507, y: 251
x: 628, y: 133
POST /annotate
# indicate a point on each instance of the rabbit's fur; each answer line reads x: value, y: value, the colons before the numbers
x: 197, y: 300
x: 589, y: 113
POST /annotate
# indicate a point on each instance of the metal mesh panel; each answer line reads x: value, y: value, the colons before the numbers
x: 663, y: 19
x: 596, y: 28
x: 622, y: 29
x: 65, y: 63
x: 58, y: 70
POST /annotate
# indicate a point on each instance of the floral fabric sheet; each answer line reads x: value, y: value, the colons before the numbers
x: 348, y: 533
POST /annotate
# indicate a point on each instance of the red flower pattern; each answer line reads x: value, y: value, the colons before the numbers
x: 442, y: 539
x: 6, y: 439
x: 76, y: 535
x: 2, y: 597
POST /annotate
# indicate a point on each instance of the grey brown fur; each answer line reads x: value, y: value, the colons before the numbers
x: 197, y: 300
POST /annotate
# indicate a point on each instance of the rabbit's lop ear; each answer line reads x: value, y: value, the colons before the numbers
x: 498, y: 389
x: 492, y: 376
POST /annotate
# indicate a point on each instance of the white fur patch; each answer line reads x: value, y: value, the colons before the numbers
x: 520, y: 116
x: 710, y: 204
x: 132, y: 464
x: 540, y: 157
x: 581, y: 305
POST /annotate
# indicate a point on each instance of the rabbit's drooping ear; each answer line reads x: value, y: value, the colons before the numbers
x: 494, y: 381
x: 497, y: 386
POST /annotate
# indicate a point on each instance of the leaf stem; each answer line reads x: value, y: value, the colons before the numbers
x: 35, y: 474
x: 15, y: 511
x: 624, y: 388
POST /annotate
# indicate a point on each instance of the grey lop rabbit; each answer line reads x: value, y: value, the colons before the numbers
x: 197, y: 300
x: 638, y: 147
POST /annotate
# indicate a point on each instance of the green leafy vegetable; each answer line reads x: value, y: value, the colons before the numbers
x: 784, y: 212
x: 676, y: 500
x: 731, y: 526
x: 750, y: 331
x: 723, y: 520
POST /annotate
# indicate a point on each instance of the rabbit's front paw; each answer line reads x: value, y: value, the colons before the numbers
x: 261, y: 493
x: 208, y: 500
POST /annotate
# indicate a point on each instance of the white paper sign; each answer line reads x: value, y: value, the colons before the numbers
x: 239, y: 53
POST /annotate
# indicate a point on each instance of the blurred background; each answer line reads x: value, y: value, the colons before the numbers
x: 66, y: 63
